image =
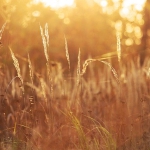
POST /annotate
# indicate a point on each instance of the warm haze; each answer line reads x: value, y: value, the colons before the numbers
x: 62, y: 3
x: 57, y: 3
x: 74, y: 75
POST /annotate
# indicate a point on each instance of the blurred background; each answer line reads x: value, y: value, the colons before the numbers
x: 90, y: 25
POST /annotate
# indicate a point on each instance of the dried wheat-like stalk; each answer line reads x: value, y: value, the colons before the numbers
x: 67, y: 52
x: 16, y: 64
x: 44, y: 39
x: 78, y: 67
x: 112, y: 69
x: 2, y: 29
x: 30, y: 69
x: 118, y: 46
x: 46, y: 34
x: 88, y: 61
x: 43, y: 86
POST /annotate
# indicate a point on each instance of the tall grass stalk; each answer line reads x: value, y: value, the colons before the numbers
x: 88, y: 61
x: 47, y: 35
x: 78, y: 67
x: 45, y: 39
x: 2, y: 30
x: 107, y: 138
x: 83, y: 144
x: 30, y: 69
x: 43, y: 86
x: 45, y: 42
x: 112, y: 69
x: 17, y: 67
x: 118, y: 46
x: 67, y: 52
x: 110, y: 144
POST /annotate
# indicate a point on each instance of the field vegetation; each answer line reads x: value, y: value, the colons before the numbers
x: 100, y: 105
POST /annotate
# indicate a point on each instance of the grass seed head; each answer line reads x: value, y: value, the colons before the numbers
x: 88, y: 61
x: 2, y: 30
x: 43, y: 88
x: 30, y: 68
x: 112, y: 69
x: 47, y: 34
x: 16, y: 64
x: 67, y: 52
x: 78, y: 67
x: 118, y: 46
x: 44, y: 39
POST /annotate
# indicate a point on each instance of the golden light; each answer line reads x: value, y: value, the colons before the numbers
x: 102, y: 3
x: 129, y: 42
x: 56, y: 3
x: 138, y: 4
x: 127, y: 12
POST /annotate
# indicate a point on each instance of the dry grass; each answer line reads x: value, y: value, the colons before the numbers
x: 67, y: 52
x: 45, y: 39
x: 2, y: 30
x: 107, y: 110
x: 30, y: 69
x: 118, y: 46
x: 79, y: 67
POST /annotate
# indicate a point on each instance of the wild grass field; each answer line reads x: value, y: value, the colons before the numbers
x: 98, y: 107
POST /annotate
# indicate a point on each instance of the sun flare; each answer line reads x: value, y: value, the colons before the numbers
x: 57, y: 3
x: 137, y: 3
x: 62, y: 3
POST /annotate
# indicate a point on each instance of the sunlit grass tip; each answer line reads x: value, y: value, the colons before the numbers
x: 2, y: 30
x: 112, y: 69
x: 79, y: 67
x: 45, y: 39
x: 43, y: 88
x: 118, y: 46
x: 30, y: 69
x: 67, y: 52
x: 16, y: 64
x: 47, y: 34
x: 88, y: 61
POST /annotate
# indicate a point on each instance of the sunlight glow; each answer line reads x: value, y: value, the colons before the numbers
x: 56, y: 3
x: 102, y: 3
x: 128, y: 5
x: 138, y: 4
x: 129, y: 42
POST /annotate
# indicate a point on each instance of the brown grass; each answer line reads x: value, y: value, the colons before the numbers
x: 107, y: 110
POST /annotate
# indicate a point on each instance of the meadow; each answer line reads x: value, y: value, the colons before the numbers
x: 100, y: 106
